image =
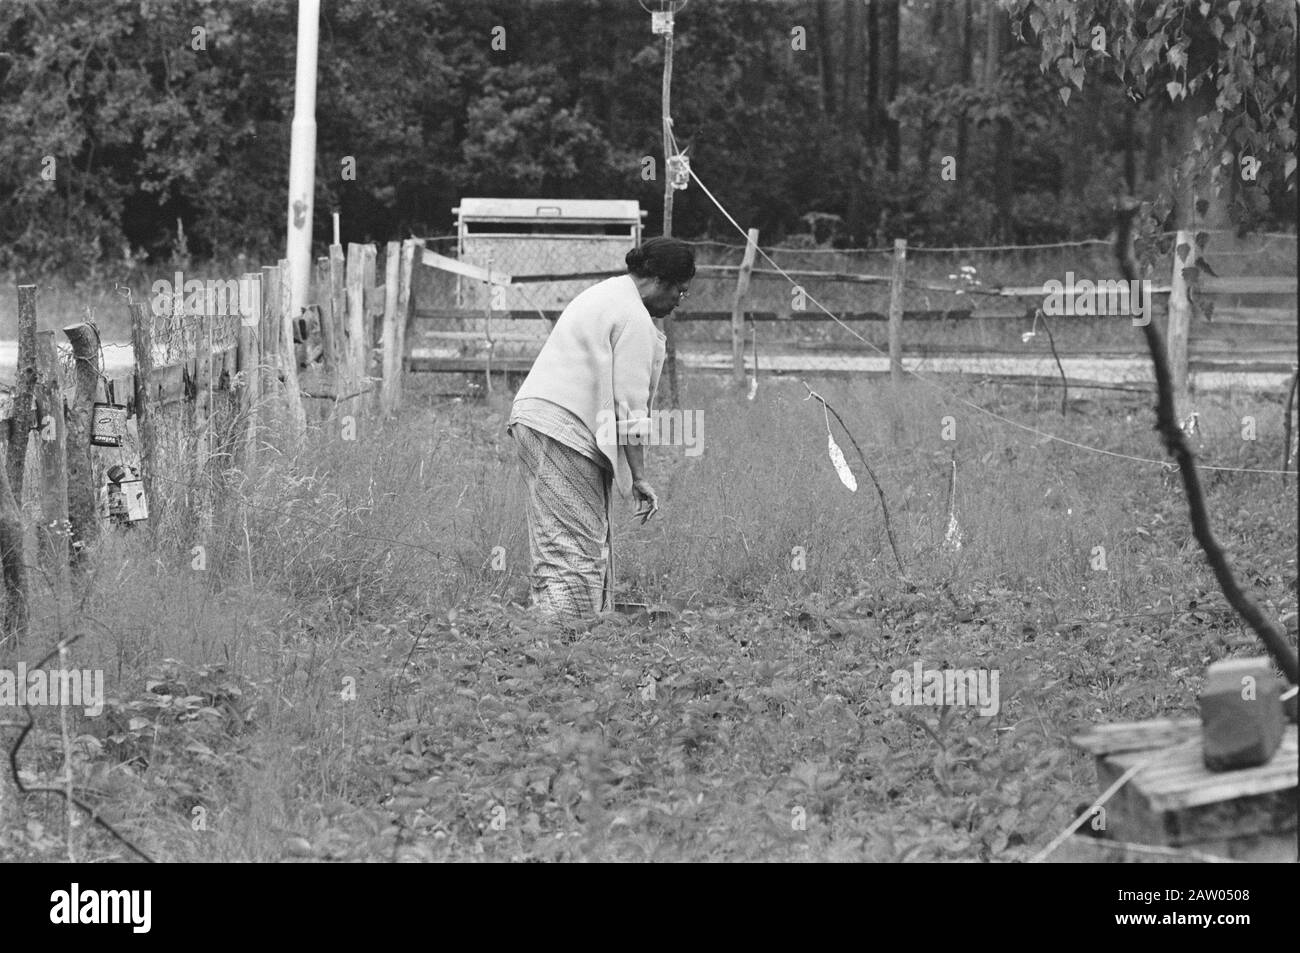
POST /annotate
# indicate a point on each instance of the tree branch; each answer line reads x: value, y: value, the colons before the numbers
x: 1171, y: 434
x: 884, y: 507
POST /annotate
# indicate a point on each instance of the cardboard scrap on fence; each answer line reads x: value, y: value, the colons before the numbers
x: 458, y: 267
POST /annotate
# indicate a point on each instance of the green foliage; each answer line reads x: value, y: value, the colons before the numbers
x: 771, y: 688
x: 518, y: 139
x: 1224, y: 68
x: 145, y: 129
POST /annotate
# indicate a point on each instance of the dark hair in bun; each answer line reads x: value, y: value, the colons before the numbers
x: 669, y: 259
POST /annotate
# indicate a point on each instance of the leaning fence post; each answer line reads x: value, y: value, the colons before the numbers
x: 738, y: 308
x: 897, y: 278
x: 142, y: 354
x: 52, y: 444
x: 1180, y: 313
x: 12, y: 561
x: 82, y: 507
x: 20, y: 423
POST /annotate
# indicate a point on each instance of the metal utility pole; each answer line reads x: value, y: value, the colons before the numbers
x: 302, y: 157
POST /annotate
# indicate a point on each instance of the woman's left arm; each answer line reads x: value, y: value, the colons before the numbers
x: 633, y: 367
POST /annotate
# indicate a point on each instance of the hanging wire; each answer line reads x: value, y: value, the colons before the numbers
x: 957, y: 397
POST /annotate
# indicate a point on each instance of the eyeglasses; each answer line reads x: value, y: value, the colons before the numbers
x: 683, y: 294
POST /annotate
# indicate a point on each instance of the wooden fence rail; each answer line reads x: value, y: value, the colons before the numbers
x: 1229, y: 336
x: 346, y: 354
x: 276, y: 374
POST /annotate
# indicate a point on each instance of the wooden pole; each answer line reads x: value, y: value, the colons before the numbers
x: 897, y: 279
x: 269, y: 329
x: 670, y: 333
x: 20, y: 423
x: 202, y: 401
x: 249, y: 357
x: 13, y: 563
x: 1180, y: 315
x: 392, y: 356
x: 372, y: 314
x: 337, y: 308
x: 52, y: 443
x: 356, y: 321
x: 289, y: 355
x: 738, y: 308
x: 402, y: 319
x: 487, y: 329
x: 330, y: 336
x: 368, y: 255
x: 82, y: 489
x: 142, y: 353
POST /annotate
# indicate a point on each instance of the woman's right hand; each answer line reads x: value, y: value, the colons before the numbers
x: 646, y: 498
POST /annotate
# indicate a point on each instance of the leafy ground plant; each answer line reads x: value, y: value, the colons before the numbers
x: 377, y: 692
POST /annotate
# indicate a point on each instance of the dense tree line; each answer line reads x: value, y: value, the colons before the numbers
x: 945, y: 121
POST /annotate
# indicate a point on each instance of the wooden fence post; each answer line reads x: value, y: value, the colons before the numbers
x: 334, y: 309
x: 249, y: 359
x: 202, y: 404
x: 897, y: 278
x: 12, y: 561
x: 409, y: 249
x: 401, y: 316
x: 289, y: 355
x: 20, y: 423
x: 373, y: 297
x: 1180, y: 315
x: 391, y: 356
x: 368, y: 255
x: 738, y: 308
x: 356, y: 322
x: 52, y: 441
x: 270, y: 329
x: 142, y: 350
x: 83, y: 507
x: 329, y: 331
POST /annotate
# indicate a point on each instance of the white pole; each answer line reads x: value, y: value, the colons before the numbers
x: 302, y: 156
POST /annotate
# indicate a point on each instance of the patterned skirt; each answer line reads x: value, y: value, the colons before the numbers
x: 569, y: 533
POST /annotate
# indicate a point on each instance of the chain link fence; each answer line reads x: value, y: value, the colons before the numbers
x: 976, y: 308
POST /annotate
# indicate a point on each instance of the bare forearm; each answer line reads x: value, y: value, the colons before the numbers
x: 635, y: 460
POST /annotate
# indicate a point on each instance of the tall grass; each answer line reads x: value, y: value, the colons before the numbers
x: 335, y: 560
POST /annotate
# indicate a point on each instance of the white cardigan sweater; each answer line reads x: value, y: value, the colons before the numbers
x: 601, y: 362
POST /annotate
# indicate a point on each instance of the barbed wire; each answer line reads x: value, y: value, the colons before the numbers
x: 951, y: 249
x: 971, y: 404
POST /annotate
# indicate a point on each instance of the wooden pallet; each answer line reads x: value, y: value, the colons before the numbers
x: 1175, y: 802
